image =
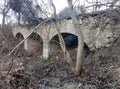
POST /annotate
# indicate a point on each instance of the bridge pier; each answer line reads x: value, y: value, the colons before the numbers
x: 31, y: 45
x: 46, y: 49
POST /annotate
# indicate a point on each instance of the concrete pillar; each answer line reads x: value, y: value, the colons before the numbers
x: 26, y: 44
x: 31, y: 45
x: 46, y: 49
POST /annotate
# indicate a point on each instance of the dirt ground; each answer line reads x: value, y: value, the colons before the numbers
x: 101, y: 69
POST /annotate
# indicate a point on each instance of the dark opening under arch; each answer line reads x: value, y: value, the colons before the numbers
x: 70, y: 40
x: 20, y: 51
x: 19, y: 37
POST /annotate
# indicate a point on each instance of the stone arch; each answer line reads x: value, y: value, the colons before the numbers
x: 67, y: 37
x: 70, y: 45
x: 86, y: 48
x: 62, y: 32
x: 19, y: 37
x: 33, y: 43
x: 80, y: 55
x: 19, y: 34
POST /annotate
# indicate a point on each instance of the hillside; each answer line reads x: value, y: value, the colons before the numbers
x: 101, y: 69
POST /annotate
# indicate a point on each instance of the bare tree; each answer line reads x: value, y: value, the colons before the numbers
x: 75, y: 68
x: 62, y: 43
x: 113, y: 3
x: 4, y: 10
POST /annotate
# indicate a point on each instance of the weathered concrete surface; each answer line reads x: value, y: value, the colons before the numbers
x: 93, y: 36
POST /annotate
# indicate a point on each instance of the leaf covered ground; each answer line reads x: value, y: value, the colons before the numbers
x: 101, y: 69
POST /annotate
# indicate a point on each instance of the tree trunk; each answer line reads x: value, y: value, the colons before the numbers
x: 76, y: 69
x: 80, y: 53
x: 62, y: 44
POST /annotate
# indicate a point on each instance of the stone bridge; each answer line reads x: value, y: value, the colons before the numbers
x: 93, y: 37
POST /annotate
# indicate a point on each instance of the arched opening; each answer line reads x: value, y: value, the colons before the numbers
x: 71, y: 43
x: 34, y: 43
x: 35, y: 36
x: 20, y: 50
x: 19, y: 37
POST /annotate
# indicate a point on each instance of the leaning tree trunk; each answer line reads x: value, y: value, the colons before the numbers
x: 80, y: 53
x: 62, y: 44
